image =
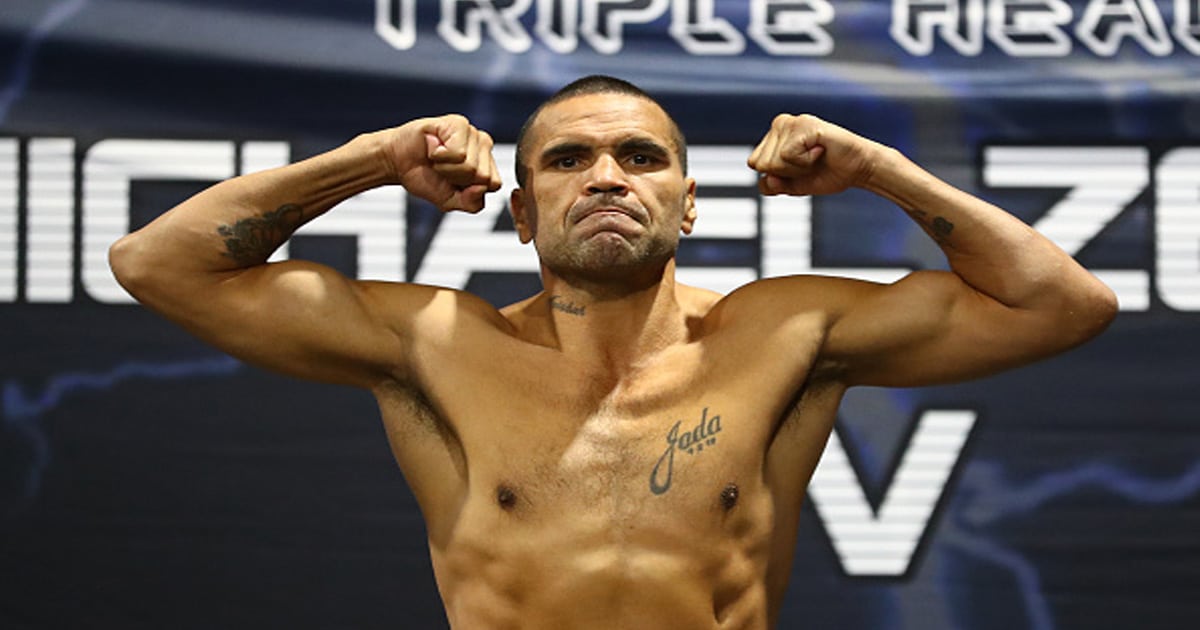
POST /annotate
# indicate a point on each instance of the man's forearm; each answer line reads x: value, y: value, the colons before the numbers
x: 239, y: 222
x: 991, y: 250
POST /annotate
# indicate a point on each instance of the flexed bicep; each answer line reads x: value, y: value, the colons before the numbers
x: 1011, y: 295
x: 203, y: 263
x: 930, y: 328
x: 299, y: 318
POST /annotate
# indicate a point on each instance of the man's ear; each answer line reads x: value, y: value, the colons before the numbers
x: 689, y: 207
x: 516, y: 205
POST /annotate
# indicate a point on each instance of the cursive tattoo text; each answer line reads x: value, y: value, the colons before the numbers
x: 691, y: 442
x: 251, y: 240
x: 569, y: 308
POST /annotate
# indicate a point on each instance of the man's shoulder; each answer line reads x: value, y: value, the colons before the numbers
x: 772, y: 298
x: 433, y: 307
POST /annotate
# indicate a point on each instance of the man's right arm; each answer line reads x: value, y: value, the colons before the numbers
x: 203, y: 263
x: 1010, y: 297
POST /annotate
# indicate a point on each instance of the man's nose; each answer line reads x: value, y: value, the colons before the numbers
x: 607, y: 176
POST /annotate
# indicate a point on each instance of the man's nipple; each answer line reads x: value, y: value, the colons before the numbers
x: 729, y: 496
x: 505, y: 497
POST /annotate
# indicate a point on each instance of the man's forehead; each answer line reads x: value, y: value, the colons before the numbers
x: 590, y: 115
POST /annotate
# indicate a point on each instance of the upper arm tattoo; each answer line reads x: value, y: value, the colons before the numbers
x: 251, y: 240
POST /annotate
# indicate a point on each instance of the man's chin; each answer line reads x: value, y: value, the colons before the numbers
x: 605, y: 240
x: 608, y: 257
x: 618, y: 267
x: 611, y: 250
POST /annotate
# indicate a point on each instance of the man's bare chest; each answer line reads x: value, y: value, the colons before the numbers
x: 562, y: 429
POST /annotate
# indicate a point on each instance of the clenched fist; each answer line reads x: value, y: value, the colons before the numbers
x: 804, y: 155
x: 444, y: 160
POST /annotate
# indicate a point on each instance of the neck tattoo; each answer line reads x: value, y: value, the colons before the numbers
x: 569, y: 308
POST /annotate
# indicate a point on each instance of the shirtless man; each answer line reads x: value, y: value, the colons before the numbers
x: 617, y: 451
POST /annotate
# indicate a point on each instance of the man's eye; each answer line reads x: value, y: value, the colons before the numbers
x: 567, y: 162
x: 640, y: 159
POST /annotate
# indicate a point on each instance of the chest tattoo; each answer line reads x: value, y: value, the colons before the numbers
x: 691, y: 441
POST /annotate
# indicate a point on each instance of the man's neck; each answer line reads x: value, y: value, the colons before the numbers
x: 616, y: 325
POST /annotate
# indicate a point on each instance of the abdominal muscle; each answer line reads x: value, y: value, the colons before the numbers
x: 573, y: 566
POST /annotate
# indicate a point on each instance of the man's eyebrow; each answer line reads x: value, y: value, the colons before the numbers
x: 564, y: 149
x: 643, y: 145
x: 629, y: 145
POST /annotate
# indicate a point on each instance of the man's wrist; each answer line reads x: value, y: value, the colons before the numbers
x: 893, y: 176
x: 885, y: 164
x: 374, y: 151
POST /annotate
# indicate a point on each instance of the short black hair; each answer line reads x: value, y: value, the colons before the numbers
x: 594, y: 84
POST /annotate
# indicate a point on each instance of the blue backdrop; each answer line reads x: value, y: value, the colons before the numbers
x: 148, y: 481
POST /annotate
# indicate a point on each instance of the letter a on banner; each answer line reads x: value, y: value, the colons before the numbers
x: 1106, y: 23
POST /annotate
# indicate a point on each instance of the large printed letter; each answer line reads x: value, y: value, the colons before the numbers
x: 1187, y: 24
x: 604, y: 20
x: 721, y: 218
x: 959, y: 21
x: 882, y: 542
x: 1178, y: 239
x: 461, y: 24
x: 695, y: 27
x: 396, y: 22
x: 8, y: 219
x: 557, y: 24
x: 791, y: 27
x: 109, y: 168
x: 1029, y: 28
x: 787, y: 243
x: 50, y: 222
x: 1106, y: 22
x: 1102, y: 181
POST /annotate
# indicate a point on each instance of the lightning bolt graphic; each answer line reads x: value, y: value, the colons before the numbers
x: 984, y: 497
x: 23, y: 414
x: 986, y: 480
x: 22, y: 68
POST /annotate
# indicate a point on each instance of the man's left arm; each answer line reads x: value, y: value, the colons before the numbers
x: 1011, y: 295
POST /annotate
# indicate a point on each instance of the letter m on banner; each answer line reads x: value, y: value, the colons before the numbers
x: 916, y: 23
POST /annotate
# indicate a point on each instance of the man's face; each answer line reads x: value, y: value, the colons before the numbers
x: 605, y: 193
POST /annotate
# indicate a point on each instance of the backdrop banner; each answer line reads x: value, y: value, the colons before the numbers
x: 149, y: 481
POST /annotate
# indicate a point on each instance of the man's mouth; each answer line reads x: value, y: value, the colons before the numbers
x: 607, y: 210
x: 607, y: 220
